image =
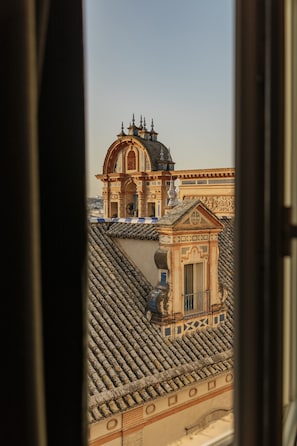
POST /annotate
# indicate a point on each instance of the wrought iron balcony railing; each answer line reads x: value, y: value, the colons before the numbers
x: 197, y: 303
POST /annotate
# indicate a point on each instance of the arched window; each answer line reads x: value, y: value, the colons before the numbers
x: 147, y: 163
x: 131, y: 160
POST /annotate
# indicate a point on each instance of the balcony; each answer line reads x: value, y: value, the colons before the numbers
x: 197, y: 304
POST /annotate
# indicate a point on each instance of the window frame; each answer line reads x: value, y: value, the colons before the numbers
x: 259, y: 136
x: 290, y: 201
x: 198, y: 293
x: 33, y: 73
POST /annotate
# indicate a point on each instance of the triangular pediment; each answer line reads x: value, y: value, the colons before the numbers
x: 190, y: 215
x: 198, y: 218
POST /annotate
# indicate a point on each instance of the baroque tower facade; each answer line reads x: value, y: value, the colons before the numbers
x: 136, y: 176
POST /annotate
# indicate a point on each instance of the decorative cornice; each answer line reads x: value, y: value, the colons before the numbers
x: 205, y: 173
x: 166, y: 238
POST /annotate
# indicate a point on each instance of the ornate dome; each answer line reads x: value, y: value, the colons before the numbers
x: 144, y: 143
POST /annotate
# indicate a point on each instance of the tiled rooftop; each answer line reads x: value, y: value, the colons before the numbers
x: 137, y: 231
x: 130, y: 362
x: 154, y: 150
x: 176, y: 213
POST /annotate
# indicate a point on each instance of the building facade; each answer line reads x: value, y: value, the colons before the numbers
x: 214, y: 187
x: 188, y: 295
x: 160, y: 296
x: 138, y: 172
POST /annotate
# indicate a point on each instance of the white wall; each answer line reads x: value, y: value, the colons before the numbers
x: 142, y: 252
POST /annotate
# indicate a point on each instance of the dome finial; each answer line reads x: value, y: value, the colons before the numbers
x: 122, y: 133
x: 153, y: 133
x: 133, y: 119
x: 140, y: 124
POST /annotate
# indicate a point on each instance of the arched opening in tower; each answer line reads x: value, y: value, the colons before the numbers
x: 131, y: 200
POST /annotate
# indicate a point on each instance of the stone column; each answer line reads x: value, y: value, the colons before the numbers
x: 121, y: 210
x: 141, y: 197
x: 141, y: 204
x: 105, y: 196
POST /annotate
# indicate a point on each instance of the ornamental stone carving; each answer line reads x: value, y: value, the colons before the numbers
x: 195, y: 217
x: 165, y: 239
x: 219, y: 203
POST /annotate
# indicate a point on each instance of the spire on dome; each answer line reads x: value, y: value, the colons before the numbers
x: 122, y: 133
x: 153, y: 133
x: 133, y: 129
x: 140, y: 123
x: 143, y: 133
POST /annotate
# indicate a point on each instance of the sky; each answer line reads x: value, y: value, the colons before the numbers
x: 168, y: 60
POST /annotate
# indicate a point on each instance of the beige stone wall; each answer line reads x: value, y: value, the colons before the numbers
x: 142, y: 252
x: 166, y: 419
x: 106, y: 432
x: 214, y: 187
x: 172, y: 428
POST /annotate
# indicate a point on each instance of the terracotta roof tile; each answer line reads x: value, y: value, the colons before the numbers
x: 130, y: 362
x: 137, y: 231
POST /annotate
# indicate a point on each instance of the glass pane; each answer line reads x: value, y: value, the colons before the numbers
x: 188, y: 279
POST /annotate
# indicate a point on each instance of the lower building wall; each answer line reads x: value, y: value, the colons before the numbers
x: 167, y: 419
x: 175, y: 426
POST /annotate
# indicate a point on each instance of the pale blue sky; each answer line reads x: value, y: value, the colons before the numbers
x: 170, y: 60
